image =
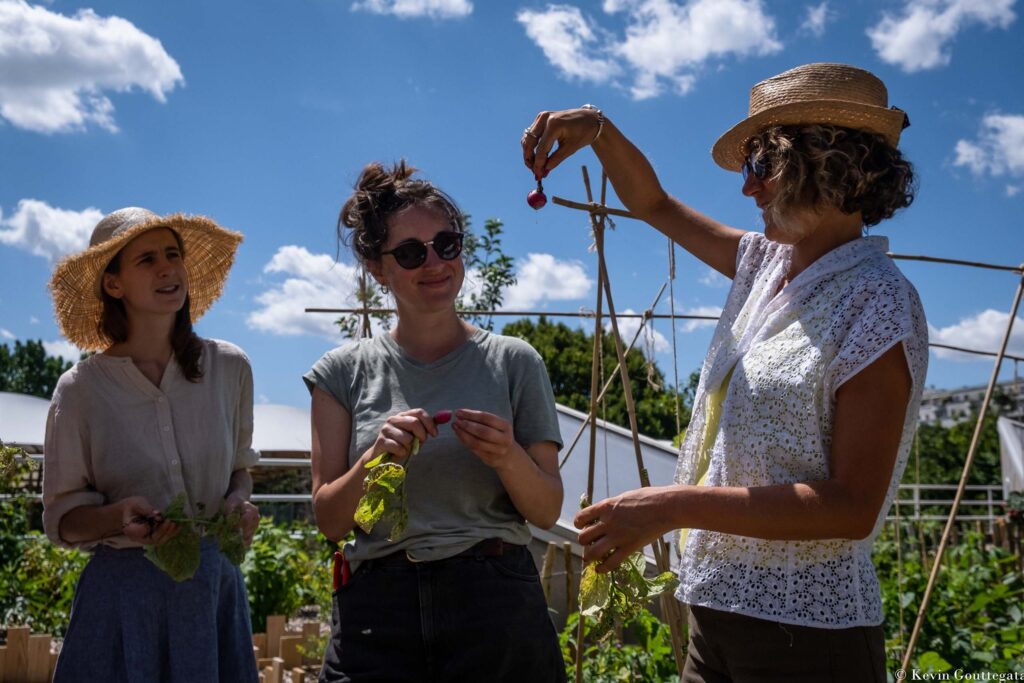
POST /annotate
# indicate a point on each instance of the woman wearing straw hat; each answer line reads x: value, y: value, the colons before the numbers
x: 155, y: 413
x: 809, y: 394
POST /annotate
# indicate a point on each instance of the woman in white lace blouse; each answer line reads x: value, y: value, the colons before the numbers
x: 808, y: 397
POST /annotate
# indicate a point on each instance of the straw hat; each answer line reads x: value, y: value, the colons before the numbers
x: 829, y: 94
x: 75, y: 285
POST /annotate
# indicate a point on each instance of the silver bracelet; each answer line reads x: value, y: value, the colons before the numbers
x: 600, y: 120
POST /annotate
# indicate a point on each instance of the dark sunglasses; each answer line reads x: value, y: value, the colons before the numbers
x: 756, y: 165
x: 412, y: 254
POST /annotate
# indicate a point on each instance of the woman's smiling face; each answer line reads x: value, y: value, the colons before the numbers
x: 431, y: 286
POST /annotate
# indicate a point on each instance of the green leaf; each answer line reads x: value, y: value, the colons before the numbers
x: 932, y: 662
x: 377, y: 461
x: 595, y: 590
x: 179, y: 557
x: 383, y: 500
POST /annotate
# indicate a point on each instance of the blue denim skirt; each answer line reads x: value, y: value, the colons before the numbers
x: 466, y: 619
x: 132, y: 623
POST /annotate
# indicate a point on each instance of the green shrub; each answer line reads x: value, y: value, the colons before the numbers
x: 645, y: 655
x: 42, y: 583
x: 285, y: 569
x: 974, y: 619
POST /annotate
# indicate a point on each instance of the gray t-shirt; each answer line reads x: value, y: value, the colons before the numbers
x: 454, y: 499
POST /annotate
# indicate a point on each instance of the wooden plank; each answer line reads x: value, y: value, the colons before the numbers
x: 3, y: 663
x: 310, y: 634
x: 546, y: 569
x: 263, y: 662
x: 298, y: 675
x: 17, y: 653
x: 290, y: 651
x: 260, y: 640
x: 276, y: 670
x: 39, y: 658
x: 53, y: 664
x: 275, y: 629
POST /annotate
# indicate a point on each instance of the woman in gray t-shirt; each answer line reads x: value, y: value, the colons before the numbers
x: 453, y: 596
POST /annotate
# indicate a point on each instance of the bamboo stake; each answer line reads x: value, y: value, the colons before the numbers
x: 604, y: 389
x: 570, y: 594
x: 951, y: 521
x: 659, y: 547
x: 548, y: 314
x: 957, y: 262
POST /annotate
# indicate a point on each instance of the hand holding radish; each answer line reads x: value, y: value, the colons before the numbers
x: 488, y: 436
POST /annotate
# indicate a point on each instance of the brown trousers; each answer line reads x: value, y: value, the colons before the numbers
x: 732, y: 648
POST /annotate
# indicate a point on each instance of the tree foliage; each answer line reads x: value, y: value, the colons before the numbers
x: 567, y: 354
x: 27, y: 369
x: 484, y: 256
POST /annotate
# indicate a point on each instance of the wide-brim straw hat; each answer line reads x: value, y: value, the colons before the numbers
x: 827, y: 94
x: 76, y: 282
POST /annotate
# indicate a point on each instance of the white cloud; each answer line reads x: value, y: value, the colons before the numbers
x: 666, y: 43
x: 816, y: 19
x: 54, y: 69
x: 314, y: 281
x: 1012, y: 190
x: 575, y: 46
x: 982, y: 332
x: 6, y: 334
x: 317, y: 281
x: 542, y: 277
x: 650, y: 337
x: 920, y: 37
x: 62, y: 348
x: 33, y: 320
x: 999, y: 149
x: 47, y: 231
x: 691, y: 325
x: 712, y: 278
x: 411, y: 9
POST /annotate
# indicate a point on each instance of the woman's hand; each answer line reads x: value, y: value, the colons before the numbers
x: 142, y: 523
x: 250, y: 518
x: 572, y: 129
x: 398, y: 432
x: 616, y: 527
x: 488, y: 436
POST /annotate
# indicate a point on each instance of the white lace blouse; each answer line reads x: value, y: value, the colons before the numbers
x: 789, y: 353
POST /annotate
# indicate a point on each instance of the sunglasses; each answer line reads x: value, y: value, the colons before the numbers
x: 756, y: 165
x: 412, y: 254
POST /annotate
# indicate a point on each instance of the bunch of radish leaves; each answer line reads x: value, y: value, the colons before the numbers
x: 383, y: 499
x: 179, y: 557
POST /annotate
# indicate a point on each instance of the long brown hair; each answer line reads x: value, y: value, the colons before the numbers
x: 187, y: 346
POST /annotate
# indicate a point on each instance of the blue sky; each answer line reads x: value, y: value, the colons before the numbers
x: 261, y: 114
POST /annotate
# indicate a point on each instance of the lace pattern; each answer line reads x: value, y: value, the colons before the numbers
x: 790, y: 353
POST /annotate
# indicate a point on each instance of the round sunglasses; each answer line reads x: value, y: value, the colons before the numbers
x: 756, y: 165
x: 412, y: 254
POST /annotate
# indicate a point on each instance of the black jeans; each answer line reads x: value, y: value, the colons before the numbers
x: 467, y: 618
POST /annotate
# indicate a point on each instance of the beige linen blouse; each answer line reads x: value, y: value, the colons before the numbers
x: 112, y: 434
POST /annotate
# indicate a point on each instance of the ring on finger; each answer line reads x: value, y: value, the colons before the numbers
x: 530, y: 133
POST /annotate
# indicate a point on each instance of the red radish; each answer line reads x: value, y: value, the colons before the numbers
x: 537, y: 199
x: 442, y: 417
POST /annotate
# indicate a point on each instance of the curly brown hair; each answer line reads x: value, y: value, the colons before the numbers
x: 853, y: 170
x: 380, y: 193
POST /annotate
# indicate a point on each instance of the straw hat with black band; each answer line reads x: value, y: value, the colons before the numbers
x: 76, y: 282
x: 826, y: 94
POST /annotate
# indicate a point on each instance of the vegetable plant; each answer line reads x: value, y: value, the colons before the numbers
x: 179, y: 557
